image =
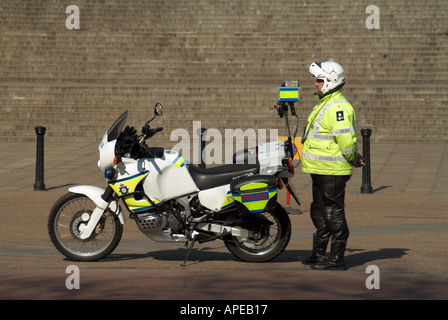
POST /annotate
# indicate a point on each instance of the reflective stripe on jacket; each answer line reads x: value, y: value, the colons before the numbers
x: 330, y: 137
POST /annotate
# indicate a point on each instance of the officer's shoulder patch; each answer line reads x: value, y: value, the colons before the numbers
x: 339, y: 115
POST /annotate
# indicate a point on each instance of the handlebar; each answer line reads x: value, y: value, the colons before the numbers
x: 148, y: 132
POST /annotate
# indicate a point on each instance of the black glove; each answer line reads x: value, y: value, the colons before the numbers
x: 359, y: 161
x: 127, y: 138
x: 128, y: 131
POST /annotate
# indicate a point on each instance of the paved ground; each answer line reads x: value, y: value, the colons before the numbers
x: 401, y: 228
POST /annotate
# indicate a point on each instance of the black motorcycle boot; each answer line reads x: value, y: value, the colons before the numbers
x: 336, y: 260
x: 318, y: 253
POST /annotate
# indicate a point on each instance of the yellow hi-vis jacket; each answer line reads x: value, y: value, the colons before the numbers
x: 330, y: 137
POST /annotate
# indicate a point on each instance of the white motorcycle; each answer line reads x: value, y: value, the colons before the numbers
x: 171, y: 200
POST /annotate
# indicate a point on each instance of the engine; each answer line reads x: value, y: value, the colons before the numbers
x: 164, y: 226
x: 165, y: 220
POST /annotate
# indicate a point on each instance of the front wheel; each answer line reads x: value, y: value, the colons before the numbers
x: 270, y: 234
x: 67, y: 214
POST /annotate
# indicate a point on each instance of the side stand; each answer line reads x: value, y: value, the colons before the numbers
x: 193, y: 239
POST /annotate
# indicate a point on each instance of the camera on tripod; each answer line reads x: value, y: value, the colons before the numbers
x: 289, y: 91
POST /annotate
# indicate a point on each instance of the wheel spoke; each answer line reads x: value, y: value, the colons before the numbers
x: 269, y: 234
x: 65, y: 229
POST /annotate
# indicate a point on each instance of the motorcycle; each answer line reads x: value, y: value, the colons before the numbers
x: 172, y: 200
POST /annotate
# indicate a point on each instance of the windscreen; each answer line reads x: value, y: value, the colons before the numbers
x: 115, y: 129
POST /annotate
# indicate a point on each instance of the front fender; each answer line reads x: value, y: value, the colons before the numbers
x: 94, y: 194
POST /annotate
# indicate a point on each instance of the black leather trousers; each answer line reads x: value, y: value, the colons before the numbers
x: 327, y: 211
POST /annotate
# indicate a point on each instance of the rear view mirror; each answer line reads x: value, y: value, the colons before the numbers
x: 158, y: 109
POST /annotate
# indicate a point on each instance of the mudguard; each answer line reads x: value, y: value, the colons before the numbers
x: 94, y: 193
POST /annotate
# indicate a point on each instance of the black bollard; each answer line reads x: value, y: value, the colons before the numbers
x: 201, y: 133
x: 39, y: 183
x: 366, y: 186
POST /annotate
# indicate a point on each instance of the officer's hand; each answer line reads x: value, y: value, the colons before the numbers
x: 359, y: 161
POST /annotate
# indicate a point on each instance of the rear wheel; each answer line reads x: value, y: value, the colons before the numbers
x: 270, y: 234
x: 68, y: 213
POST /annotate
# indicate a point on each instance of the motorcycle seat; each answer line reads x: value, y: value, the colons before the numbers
x: 220, y: 175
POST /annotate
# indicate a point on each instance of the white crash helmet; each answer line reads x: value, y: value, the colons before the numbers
x: 329, y: 71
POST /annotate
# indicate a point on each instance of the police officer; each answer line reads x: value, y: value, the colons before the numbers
x: 329, y: 152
